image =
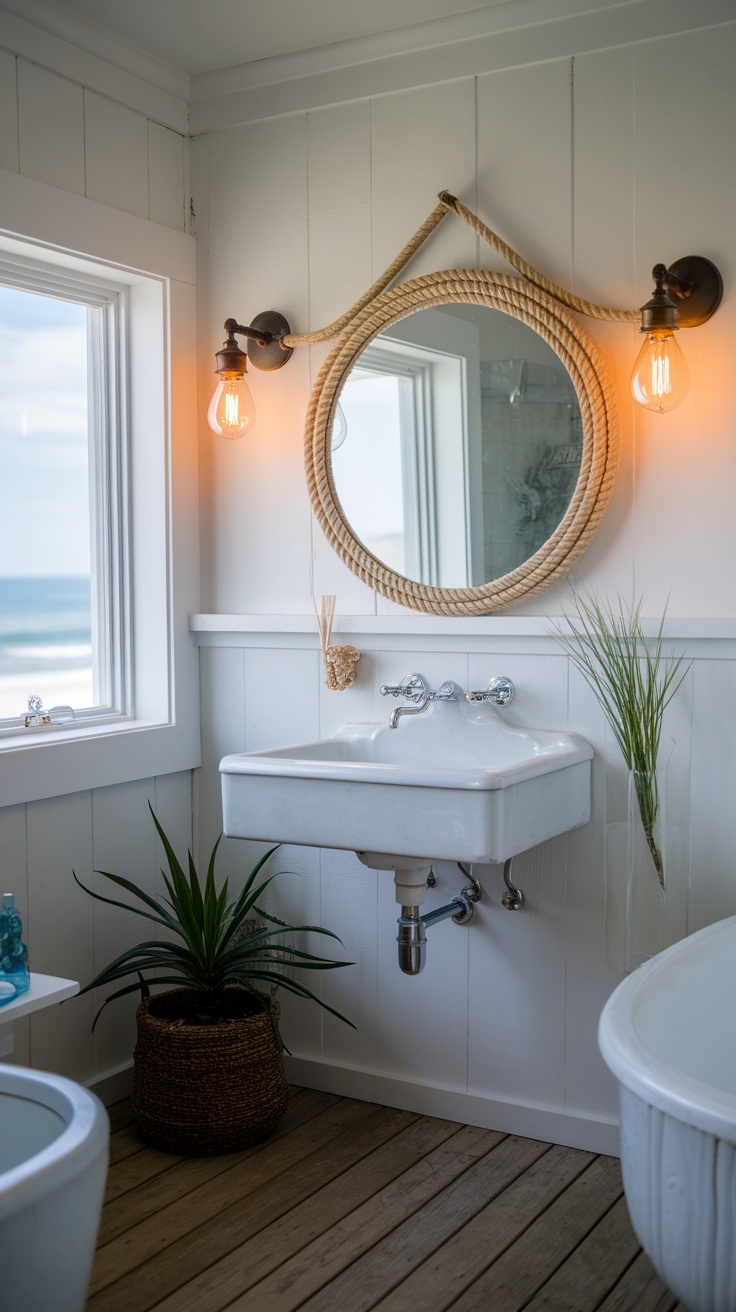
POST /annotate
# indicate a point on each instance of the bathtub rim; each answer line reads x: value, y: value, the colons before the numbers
x: 635, y: 1066
x: 83, y: 1140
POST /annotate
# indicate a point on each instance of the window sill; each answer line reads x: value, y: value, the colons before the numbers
x: 38, y: 763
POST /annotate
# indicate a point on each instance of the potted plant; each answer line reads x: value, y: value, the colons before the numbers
x: 208, y: 1064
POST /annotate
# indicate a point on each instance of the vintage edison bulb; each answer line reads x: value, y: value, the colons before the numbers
x: 660, y: 379
x: 232, y: 411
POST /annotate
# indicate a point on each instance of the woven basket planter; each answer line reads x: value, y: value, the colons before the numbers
x: 205, y: 1089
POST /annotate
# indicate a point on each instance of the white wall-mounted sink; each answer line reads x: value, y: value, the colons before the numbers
x: 458, y: 782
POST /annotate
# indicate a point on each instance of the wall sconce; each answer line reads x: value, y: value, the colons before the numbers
x: 685, y: 295
x: 232, y: 411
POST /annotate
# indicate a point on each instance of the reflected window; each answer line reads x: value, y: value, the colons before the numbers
x: 404, y: 407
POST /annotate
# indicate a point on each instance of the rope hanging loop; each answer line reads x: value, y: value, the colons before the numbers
x: 449, y: 204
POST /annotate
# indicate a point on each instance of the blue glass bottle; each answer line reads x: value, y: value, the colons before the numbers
x: 14, y: 974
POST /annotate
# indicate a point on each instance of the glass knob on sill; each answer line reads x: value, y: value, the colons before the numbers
x: 61, y: 714
x: 36, y: 715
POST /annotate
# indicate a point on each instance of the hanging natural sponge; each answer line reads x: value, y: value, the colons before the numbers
x: 340, y: 661
x: 341, y: 664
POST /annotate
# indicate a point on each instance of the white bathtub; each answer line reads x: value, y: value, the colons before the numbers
x: 668, y: 1033
x: 53, y: 1161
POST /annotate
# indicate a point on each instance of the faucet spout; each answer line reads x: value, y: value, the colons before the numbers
x: 415, y: 689
x: 393, y: 719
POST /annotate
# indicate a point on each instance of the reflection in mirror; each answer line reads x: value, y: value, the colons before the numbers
x: 461, y: 445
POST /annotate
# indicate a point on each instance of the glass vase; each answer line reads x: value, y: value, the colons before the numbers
x: 647, y: 877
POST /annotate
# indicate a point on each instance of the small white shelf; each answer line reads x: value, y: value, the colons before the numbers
x: 410, y: 624
x: 44, y: 991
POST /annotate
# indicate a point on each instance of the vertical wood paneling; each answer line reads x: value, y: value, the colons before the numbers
x: 8, y: 112
x: 685, y: 199
x: 282, y: 707
x: 604, y: 271
x: 349, y: 907
x: 51, y: 122
x: 123, y: 844
x: 421, y: 1021
x: 166, y: 159
x: 712, y: 815
x: 173, y: 806
x: 259, y: 537
x: 516, y: 1044
x: 116, y: 155
x: 59, y: 841
x: 589, y: 982
x: 513, y: 1042
x: 421, y: 142
x: 295, y: 897
x: 340, y: 270
x: 281, y: 697
x: 525, y: 164
x: 222, y: 708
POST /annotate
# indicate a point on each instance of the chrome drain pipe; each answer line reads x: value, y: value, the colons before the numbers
x: 412, y: 935
x: 412, y: 941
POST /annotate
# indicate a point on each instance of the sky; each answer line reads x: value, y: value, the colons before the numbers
x: 44, y: 482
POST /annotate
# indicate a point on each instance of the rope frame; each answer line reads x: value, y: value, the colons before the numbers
x: 594, y: 389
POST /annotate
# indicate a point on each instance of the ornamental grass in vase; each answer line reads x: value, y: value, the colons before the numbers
x: 208, y: 1065
x: 634, y: 681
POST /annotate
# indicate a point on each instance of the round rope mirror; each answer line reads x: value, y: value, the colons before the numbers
x: 592, y: 386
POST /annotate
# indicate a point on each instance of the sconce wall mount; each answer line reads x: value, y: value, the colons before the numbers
x: 693, y: 285
x: 264, y: 344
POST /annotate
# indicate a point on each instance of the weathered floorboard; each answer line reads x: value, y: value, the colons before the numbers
x: 358, y: 1208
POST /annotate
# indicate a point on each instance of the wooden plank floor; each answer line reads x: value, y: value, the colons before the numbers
x: 350, y: 1206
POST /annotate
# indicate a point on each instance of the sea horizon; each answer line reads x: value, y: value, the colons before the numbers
x: 45, y: 641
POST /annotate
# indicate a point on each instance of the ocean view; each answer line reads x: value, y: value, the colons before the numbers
x: 45, y: 643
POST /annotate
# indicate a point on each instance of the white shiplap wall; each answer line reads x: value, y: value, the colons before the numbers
x: 61, y: 129
x: 594, y: 161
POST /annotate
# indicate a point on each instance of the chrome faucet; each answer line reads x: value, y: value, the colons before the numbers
x: 414, y: 689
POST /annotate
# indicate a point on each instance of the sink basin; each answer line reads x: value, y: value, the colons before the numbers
x: 457, y: 782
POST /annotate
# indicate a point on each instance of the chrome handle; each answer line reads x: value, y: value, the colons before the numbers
x: 447, y: 692
x: 500, y: 692
x: 413, y: 687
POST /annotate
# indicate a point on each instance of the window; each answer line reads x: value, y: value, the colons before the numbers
x: 113, y: 403
x: 62, y: 466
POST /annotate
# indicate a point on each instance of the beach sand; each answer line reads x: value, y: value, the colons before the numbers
x: 62, y: 688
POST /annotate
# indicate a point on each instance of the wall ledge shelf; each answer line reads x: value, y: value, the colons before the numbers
x: 45, y: 990
x: 412, y: 624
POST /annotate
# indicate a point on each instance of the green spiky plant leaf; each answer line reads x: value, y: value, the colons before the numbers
x: 202, y: 949
x: 634, y: 682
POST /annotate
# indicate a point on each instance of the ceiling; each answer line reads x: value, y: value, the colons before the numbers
x: 198, y: 36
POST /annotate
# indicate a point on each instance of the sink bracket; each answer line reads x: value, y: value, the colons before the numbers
x: 513, y: 898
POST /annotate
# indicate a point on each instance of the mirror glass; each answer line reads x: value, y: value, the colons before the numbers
x: 457, y: 445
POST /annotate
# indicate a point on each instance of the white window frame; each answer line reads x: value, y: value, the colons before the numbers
x: 156, y: 727
x: 108, y: 449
